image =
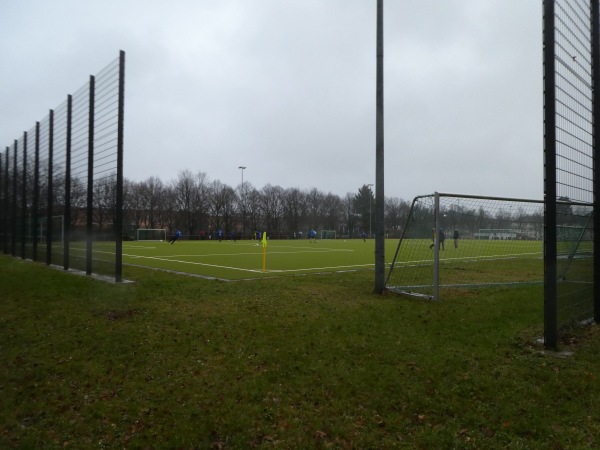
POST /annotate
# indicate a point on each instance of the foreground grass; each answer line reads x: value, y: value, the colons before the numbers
x: 304, y: 362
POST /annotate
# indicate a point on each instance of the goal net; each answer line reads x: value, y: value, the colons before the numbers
x: 453, y: 241
x: 328, y: 234
x: 151, y: 234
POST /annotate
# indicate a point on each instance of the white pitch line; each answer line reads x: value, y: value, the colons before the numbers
x: 466, y: 259
x: 252, y: 270
x: 243, y: 254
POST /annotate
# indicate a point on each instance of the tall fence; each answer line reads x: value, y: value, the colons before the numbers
x: 571, y: 172
x: 61, y: 182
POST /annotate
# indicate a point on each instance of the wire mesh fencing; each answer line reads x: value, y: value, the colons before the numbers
x: 61, y: 183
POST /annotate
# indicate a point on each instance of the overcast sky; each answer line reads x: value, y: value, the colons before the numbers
x: 287, y: 88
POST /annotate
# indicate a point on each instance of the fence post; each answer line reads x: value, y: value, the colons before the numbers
x: 90, y: 181
x: 67, y: 209
x: 119, y: 200
x: 13, y: 225
x: 436, y: 247
x: 24, y: 198
x: 50, y: 205
x: 595, y: 8
x: 36, y: 192
x: 550, y: 269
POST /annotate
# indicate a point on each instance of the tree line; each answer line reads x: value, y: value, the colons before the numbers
x: 198, y: 207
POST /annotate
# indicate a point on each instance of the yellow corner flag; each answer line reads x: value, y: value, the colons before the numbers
x: 264, y: 243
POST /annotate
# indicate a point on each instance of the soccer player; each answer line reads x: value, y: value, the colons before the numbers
x: 312, y: 235
x: 176, y: 236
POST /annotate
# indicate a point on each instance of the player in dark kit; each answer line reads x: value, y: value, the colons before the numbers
x: 176, y: 236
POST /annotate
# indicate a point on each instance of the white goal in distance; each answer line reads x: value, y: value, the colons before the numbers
x: 151, y: 234
x: 328, y: 234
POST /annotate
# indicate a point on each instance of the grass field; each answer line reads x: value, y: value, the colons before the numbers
x: 231, y: 260
x: 173, y: 361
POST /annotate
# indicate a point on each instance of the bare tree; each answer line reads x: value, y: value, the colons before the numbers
x: 105, y: 201
x: 314, y: 208
x: 349, y: 217
x: 332, y: 211
x: 273, y: 207
x: 221, y: 205
x: 190, y: 199
x: 152, y: 191
x: 254, y: 201
x: 294, y: 209
x: 396, y: 213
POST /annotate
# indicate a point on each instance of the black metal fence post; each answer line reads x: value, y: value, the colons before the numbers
x: 36, y: 193
x: 550, y: 293
x: 67, y: 209
x: 119, y: 194
x: 595, y: 8
x: 6, y: 213
x: 90, y: 179
x: 50, y: 197
x: 13, y: 224
x: 24, y: 198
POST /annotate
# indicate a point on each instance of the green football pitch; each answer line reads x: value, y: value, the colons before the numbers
x: 231, y: 260
x: 244, y: 259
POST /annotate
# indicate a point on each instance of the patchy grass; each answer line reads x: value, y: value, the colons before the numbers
x: 305, y: 362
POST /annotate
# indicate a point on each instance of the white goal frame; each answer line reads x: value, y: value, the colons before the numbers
x: 42, y: 224
x: 455, y: 241
x: 159, y: 234
x: 328, y: 234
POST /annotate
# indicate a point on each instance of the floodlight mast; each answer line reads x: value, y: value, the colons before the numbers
x: 379, y: 172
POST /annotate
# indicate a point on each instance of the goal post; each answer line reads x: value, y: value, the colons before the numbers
x: 151, y: 234
x: 57, y: 230
x: 328, y: 234
x: 454, y: 241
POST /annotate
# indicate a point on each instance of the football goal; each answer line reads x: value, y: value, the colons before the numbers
x: 453, y: 241
x: 57, y: 230
x: 328, y: 234
x: 151, y: 234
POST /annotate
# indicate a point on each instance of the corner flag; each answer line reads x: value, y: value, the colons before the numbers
x: 264, y: 242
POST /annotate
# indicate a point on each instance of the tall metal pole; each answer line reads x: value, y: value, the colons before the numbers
x: 13, y: 225
x: 24, y: 198
x: 595, y: 8
x: 50, y: 184
x: 550, y: 250
x: 119, y: 199
x: 379, y: 182
x: 90, y: 178
x: 67, y: 210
